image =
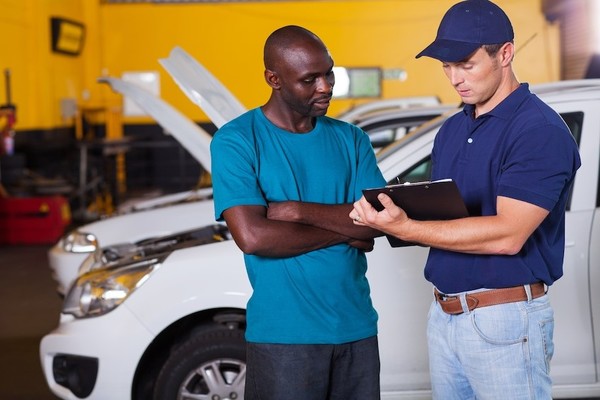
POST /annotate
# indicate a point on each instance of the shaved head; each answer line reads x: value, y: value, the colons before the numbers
x: 283, y: 42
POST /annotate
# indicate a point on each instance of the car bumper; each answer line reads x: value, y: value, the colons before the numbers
x: 64, y: 266
x: 103, y: 367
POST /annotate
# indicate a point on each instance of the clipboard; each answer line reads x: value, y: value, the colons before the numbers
x: 427, y: 200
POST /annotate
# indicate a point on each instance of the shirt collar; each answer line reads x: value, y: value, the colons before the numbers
x: 507, y: 108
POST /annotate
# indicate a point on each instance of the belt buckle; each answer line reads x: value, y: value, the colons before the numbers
x: 471, y: 301
x: 443, y: 297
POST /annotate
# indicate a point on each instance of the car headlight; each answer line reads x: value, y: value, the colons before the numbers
x: 79, y: 242
x: 97, y: 260
x: 101, y: 290
x: 91, y: 262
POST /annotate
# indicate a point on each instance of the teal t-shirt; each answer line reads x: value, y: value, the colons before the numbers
x: 321, y: 296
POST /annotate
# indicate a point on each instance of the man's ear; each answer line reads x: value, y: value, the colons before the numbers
x: 507, y: 52
x: 272, y: 79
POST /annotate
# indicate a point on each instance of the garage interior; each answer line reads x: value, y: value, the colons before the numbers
x: 73, y: 151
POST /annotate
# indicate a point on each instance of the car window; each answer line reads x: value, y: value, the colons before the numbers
x: 574, y: 121
x: 421, y: 171
x: 380, y: 138
x: 385, y: 131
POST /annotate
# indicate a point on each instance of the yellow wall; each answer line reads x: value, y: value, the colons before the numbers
x: 228, y: 39
x: 39, y: 78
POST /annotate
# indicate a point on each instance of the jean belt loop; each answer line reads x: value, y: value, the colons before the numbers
x: 463, y: 303
x: 528, y: 292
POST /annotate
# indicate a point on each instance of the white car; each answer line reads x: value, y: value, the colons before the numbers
x: 361, y: 111
x: 173, y: 213
x: 165, y: 319
x: 387, y: 126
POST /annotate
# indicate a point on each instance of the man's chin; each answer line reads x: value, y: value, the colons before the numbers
x: 320, y: 109
x: 467, y: 100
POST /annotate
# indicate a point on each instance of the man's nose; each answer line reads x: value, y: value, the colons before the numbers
x: 455, y: 76
x: 325, y: 85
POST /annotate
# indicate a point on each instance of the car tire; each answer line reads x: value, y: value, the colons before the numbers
x: 208, y: 363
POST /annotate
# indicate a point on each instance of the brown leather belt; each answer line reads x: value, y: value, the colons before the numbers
x: 452, y: 305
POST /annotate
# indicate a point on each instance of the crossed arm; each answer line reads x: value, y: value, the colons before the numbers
x: 291, y: 228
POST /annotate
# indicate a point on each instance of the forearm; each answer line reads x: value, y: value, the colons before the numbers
x: 475, y: 235
x: 330, y: 217
x: 286, y: 239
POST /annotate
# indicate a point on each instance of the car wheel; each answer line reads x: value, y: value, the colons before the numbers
x: 207, y: 365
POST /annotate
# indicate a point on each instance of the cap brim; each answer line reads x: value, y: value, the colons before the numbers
x: 449, y: 50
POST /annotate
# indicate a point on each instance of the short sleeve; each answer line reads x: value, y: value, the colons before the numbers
x: 541, y: 162
x: 233, y: 171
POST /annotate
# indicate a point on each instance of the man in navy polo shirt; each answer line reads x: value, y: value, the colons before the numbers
x: 513, y: 158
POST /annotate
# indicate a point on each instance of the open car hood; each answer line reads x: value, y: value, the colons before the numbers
x: 192, y: 137
x: 202, y: 88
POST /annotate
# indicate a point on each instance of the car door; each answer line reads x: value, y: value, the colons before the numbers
x: 575, y: 361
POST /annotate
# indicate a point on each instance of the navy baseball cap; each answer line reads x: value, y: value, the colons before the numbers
x: 467, y: 26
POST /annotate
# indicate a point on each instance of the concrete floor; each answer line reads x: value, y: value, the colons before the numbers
x: 30, y: 309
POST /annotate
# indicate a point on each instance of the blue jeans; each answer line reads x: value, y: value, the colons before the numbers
x: 494, y: 353
x: 347, y: 371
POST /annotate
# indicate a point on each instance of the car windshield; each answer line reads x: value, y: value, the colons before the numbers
x: 428, y: 126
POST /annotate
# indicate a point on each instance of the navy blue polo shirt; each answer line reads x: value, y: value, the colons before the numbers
x: 522, y: 149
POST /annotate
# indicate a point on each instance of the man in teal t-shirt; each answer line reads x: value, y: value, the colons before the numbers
x: 285, y: 177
